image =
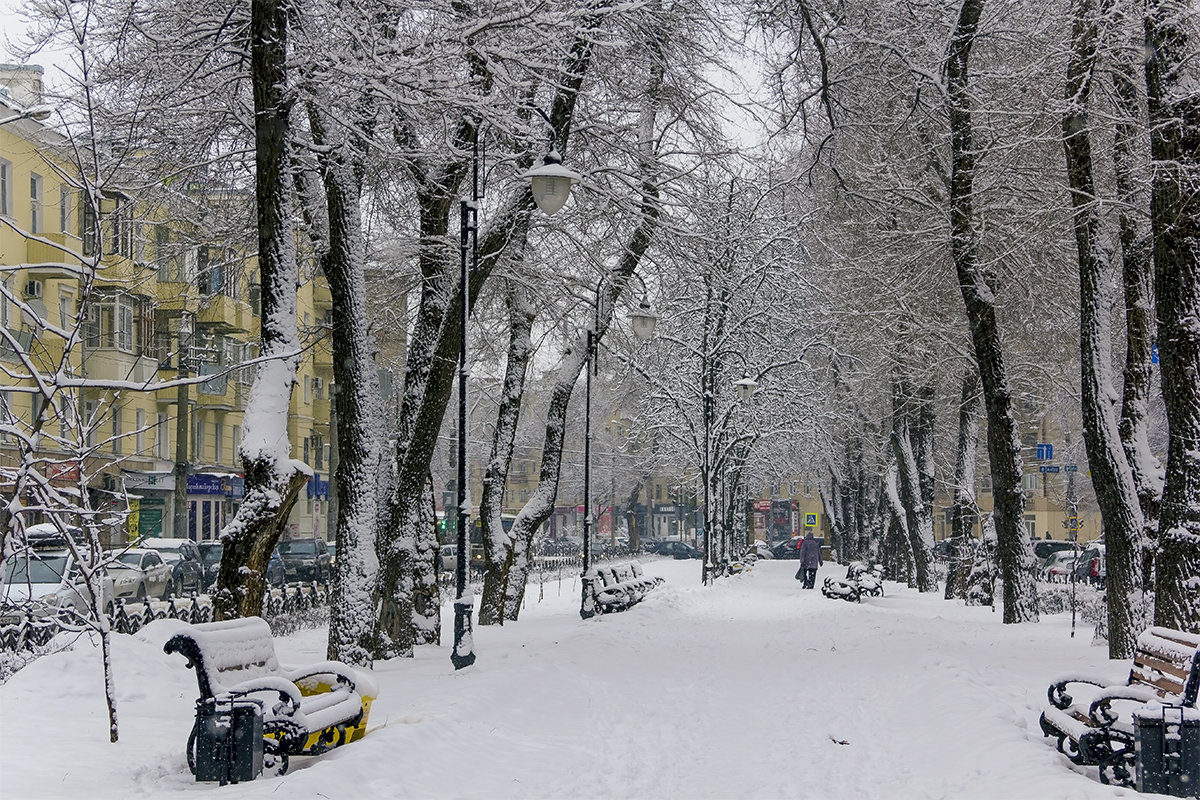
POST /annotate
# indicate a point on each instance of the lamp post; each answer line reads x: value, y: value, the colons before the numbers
x: 644, y: 321
x: 550, y: 185
x: 746, y: 387
x: 36, y: 113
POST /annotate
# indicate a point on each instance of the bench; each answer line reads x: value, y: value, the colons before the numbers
x: 306, y: 711
x: 861, y: 579
x: 1096, y: 728
x: 616, y: 587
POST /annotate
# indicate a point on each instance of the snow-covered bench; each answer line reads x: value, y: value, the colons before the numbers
x: 616, y: 587
x: 1096, y: 728
x: 861, y: 578
x: 306, y: 711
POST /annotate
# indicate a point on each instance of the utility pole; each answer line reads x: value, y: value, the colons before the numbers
x: 179, y: 524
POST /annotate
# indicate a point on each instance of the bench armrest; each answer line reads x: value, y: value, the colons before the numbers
x: 289, y: 695
x: 1104, y: 714
x: 336, y: 674
x: 1057, y: 693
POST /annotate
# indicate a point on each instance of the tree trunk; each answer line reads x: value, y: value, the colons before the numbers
x: 978, y: 287
x: 359, y: 406
x: 1116, y: 493
x: 273, y: 480
x: 497, y: 543
x: 911, y: 485
x: 964, y: 512
x: 1175, y: 221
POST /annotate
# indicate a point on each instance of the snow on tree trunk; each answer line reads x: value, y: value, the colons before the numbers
x: 273, y: 480
x: 911, y: 486
x: 358, y: 404
x: 978, y: 286
x: 981, y: 581
x: 1116, y: 492
x: 1174, y: 105
x: 497, y: 544
x: 1129, y: 163
x: 897, y: 544
x: 964, y: 512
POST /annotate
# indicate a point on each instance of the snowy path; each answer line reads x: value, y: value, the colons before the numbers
x: 736, y: 690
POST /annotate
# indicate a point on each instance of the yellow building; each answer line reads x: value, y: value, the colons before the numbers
x: 169, y: 297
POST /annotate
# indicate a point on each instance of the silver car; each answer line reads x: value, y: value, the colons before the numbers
x: 45, y: 582
x: 140, y: 573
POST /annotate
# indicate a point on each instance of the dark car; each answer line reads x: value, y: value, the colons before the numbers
x: 187, y: 567
x: 788, y: 548
x: 306, y: 560
x: 211, y: 553
x: 1091, y: 566
x: 1044, y: 547
x: 678, y: 550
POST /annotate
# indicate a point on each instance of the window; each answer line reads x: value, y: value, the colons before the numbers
x: 6, y: 187
x: 89, y: 422
x: 218, y: 433
x: 162, y: 438
x: 120, y: 228
x: 110, y: 323
x: 318, y: 451
x: 66, y: 309
x: 116, y: 429
x: 65, y: 200
x: 166, y: 259
x: 139, y: 421
x: 88, y: 230
x: 5, y: 309
x: 307, y: 448
x: 237, y: 441
x: 198, y: 443
x: 985, y: 484
x: 6, y: 418
x: 307, y: 398
x: 35, y: 203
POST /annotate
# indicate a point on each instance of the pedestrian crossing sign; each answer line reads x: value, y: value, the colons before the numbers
x: 810, y: 520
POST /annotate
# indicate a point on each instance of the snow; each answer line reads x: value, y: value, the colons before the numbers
x: 751, y: 687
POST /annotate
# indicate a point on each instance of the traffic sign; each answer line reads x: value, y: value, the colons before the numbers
x: 1048, y: 468
x: 1071, y: 468
x: 1045, y: 451
x: 810, y: 520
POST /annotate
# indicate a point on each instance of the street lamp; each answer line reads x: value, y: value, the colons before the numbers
x: 746, y: 387
x: 644, y: 321
x: 39, y: 113
x: 550, y: 185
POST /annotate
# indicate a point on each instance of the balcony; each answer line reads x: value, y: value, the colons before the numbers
x: 223, y: 314
x: 107, y: 364
x: 44, y: 258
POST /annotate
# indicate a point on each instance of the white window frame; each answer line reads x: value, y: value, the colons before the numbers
x: 66, y: 197
x: 162, y: 438
x: 118, y: 429
x: 218, y: 450
x: 139, y: 437
x: 6, y: 187
x: 37, y: 211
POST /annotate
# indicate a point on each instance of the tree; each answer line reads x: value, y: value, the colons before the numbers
x: 1171, y: 42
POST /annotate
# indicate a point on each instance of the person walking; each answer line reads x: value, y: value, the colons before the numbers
x: 810, y: 559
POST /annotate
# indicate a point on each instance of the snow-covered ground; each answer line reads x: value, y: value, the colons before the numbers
x: 748, y: 688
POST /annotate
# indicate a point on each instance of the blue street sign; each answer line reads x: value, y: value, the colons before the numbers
x: 1045, y: 451
x: 1071, y: 468
x: 1154, y: 353
x: 1048, y: 468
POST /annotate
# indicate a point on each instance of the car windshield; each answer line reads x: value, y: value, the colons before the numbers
x: 298, y: 547
x: 211, y: 554
x: 39, y: 569
x: 131, y: 559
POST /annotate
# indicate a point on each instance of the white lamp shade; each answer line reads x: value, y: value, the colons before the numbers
x: 746, y: 387
x: 551, y: 184
x: 644, y: 322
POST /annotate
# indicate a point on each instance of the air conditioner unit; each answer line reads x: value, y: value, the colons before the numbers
x: 33, y: 290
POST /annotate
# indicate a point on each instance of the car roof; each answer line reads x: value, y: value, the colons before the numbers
x: 159, y: 543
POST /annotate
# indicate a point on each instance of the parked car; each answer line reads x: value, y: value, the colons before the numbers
x: 44, y: 581
x: 448, y: 558
x: 1044, y: 547
x: 211, y: 552
x: 679, y: 550
x: 140, y: 573
x: 306, y: 560
x: 788, y: 548
x: 1091, y: 566
x: 762, y: 549
x: 1057, y: 566
x: 187, y: 567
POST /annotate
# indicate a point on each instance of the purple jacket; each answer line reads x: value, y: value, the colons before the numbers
x: 810, y: 553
